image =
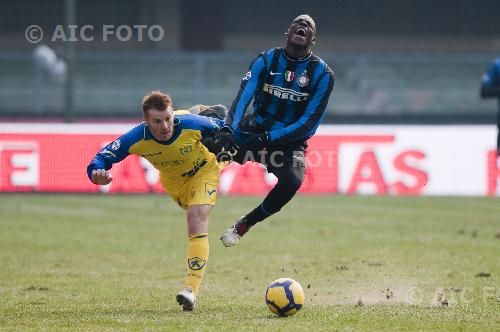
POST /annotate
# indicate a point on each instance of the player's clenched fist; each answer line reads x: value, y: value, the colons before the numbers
x: 101, y: 176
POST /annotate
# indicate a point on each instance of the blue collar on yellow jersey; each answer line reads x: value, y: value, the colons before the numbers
x: 177, y: 132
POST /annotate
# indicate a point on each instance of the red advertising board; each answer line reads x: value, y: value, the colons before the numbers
x: 350, y: 160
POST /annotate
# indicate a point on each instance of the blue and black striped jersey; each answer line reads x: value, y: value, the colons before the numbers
x: 491, y: 79
x: 289, y: 96
x: 492, y: 76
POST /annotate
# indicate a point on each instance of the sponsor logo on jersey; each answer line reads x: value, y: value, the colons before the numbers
x: 115, y: 145
x: 289, y: 75
x: 107, y: 154
x: 198, y: 164
x: 152, y: 154
x: 303, y: 80
x: 172, y: 163
x: 196, y: 263
x: 284, y: 93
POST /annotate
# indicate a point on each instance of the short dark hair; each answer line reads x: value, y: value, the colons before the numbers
x: 156, y: 100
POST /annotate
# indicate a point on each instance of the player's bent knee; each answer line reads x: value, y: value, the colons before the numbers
x: 197, y: 217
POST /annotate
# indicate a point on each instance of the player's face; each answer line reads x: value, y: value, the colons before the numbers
x: 161, y: 123
x: 302, y: 31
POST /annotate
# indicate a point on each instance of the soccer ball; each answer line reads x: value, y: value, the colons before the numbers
x: 284, y: 297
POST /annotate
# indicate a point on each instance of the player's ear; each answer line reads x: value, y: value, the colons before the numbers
x: 313, y: 40
x: 286, y: 32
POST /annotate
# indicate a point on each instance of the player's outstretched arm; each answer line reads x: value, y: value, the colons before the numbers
x: 114, y: 152
x: 215, y: 138
x: 247, y: 90
x: 101, y: 177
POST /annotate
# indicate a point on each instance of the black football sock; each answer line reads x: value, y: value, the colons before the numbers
x: 242, y: 227
x: 258, y: 214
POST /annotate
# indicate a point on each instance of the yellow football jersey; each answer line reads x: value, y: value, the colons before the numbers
x: 188, y: 171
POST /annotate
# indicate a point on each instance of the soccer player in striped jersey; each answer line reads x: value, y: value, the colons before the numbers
x: 172, y: 143
x: 290, y: 87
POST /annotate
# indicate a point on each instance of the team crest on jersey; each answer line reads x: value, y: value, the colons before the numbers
x: 303, y: 80
x: 186, y: 149
x: 247, y: 76
x: 289, y: 75
x: 116, y: 145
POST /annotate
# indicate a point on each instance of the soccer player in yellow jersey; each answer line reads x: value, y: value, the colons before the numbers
x: 188, y: 172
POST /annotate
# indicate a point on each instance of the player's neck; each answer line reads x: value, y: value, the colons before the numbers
x: 296, y: 53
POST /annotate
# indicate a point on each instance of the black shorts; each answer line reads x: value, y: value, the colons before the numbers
x: 276, y: 157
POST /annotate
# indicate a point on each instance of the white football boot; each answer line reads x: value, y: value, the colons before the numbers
x: 230, y: 237
x: 186, y: 298
x: 233, y: 235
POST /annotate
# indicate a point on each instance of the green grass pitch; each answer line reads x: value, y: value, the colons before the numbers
x: 98, y: 262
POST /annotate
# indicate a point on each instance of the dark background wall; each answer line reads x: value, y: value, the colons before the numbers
x: 225, y: 24
x: 365, y: 17
x: 396, y: 60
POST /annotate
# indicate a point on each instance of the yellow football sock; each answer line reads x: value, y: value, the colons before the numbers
x: 197, y: 260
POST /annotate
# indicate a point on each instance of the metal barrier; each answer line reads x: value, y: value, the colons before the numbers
x: 112, y: 83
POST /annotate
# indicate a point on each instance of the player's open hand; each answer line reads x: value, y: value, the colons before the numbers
x: 101, y: 177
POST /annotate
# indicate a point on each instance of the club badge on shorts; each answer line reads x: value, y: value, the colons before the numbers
x: 210, y: 189
x: 303, y: 80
